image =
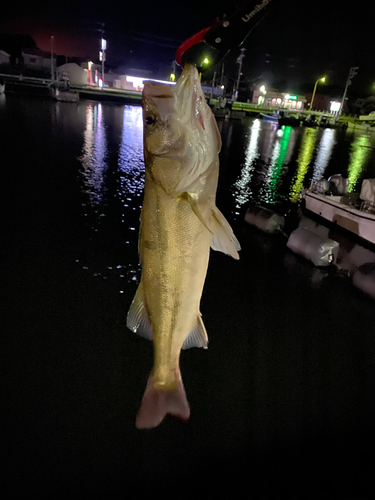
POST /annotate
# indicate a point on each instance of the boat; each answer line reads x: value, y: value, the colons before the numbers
x: 66, y: 96
x: 2, y: 86
x: 361, y: 125
x: 281, y: 118
x: 368, y: 118
x: 272, y: 117
x: 354, y: 212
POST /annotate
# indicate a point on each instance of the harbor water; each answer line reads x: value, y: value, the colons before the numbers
x: 282, y: 402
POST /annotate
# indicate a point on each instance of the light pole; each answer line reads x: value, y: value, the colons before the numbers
x: 316, y: 83
x: 102, y: 57
x: 52, y: 75
x: 353, y: 71
x: 239, y: 61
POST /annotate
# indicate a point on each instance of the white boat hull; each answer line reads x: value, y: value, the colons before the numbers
x: 66, y: 96
x: 329, y: 207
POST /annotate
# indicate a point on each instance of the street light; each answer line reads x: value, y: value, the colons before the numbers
x: 316, y: 83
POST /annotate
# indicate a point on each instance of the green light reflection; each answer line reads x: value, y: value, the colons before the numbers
x: 269, y: 191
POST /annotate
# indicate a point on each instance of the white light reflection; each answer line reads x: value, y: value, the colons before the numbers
x: 94, y: 158
x: 131, y: 164
x: 241, y: 188
x: 324, y: 153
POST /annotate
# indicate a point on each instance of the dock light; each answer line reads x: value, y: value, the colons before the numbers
x: 205, y: 61
x: 263, y: 89
x: 221, y: 86
x: 100, y: 83
x: 172, y: 77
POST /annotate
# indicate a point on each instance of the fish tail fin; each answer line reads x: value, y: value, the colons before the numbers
x: 156, y: 404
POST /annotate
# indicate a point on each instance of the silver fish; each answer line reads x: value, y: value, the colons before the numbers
x: 179, y: 224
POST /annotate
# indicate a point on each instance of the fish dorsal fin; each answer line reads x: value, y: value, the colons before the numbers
x: 223, y: 238
x: 197, y: 336
x: 137, y: 320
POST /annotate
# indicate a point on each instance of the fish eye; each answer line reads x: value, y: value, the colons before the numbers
x: 150, y: 120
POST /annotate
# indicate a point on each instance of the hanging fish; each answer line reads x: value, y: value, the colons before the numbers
x: 179, y: 224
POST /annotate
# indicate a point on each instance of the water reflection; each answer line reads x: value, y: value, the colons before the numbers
x: 130, y: 161
x: 304, y: 159
x: 269, y: 192
x: 359, y: 155
x: 241, y: 188
x: 324, y: 153
x: 94, y: 157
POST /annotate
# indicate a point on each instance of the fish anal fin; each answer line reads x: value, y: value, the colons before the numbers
x: 197, y: 336
x: 137, y: 320
x: 156, y: 404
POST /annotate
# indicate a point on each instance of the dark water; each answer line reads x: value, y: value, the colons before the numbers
x: 282, y: 401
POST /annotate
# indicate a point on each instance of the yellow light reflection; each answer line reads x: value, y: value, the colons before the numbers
x: 241, y: 188
x: 304, y: 159
x: 326, y: 144
x: 358, y: 158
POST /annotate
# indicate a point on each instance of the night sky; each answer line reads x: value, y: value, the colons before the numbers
x: 296, y: 43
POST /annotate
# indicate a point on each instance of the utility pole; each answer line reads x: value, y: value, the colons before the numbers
x: 239, y: 61
x: 52, y: 72
x: 353, y: 71
x: 213, y: 84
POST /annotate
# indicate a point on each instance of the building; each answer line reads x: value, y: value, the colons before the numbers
x: 37, y: 59
x: 93, y: 73
x: 281, y: 100
x: 364, y: 106
x: 4, y: 57
x: 74, y: 73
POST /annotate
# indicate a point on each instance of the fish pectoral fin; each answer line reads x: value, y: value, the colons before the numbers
x: 194, y: 205
x: 223, y: 238
x: 197, y: 336
x: 137, y: 320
